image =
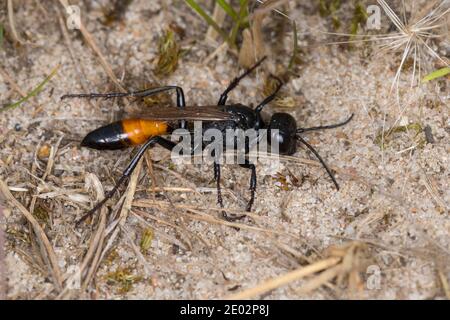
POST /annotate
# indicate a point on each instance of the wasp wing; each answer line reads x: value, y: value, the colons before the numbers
x: 203, y: 113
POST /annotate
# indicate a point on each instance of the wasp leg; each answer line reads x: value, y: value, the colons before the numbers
x: 235, y: 82
x: 252, y: 167
x: 271, y: 97
x: 219, y: 192
x: 181, y: 103
x: 217, y: 179
x: 137, y: 94
x: 226, y: 216
x: 167, y: 144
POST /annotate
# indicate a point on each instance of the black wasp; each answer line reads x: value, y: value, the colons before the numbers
x: 146, y: 129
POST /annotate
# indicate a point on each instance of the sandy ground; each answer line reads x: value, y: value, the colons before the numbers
x: 391, y: 210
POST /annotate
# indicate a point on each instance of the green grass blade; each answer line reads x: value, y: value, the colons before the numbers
x: 194, y: 5
x: 33, y: 92
x: 244, y: 5
x: 436, y: 74
x: 242, y: 16
x: 228, y: 9
x: 1, y: 36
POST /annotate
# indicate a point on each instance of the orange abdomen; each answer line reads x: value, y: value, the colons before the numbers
x: 125, y: 133
x: 139, y: 130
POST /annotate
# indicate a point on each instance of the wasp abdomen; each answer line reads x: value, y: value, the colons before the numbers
x: 122, y: 134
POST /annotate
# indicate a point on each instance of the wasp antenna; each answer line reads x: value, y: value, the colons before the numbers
x: 66, y: 96
x: 331, y: 126
x: 310, y: 147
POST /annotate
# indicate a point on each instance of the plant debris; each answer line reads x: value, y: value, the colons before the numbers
x: 116, y: 13
x: 282, y: 100
x: 124, y: 278
x: 146, y: 239
x: 169, y: 52
x: 383, y: 141
x: 329, y: 8
x: 286, y: 181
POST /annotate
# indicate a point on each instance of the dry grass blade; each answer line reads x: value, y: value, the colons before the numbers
x: 12, y: 24
x: 284, y: 279
x: 96, y: 250
x: 445, y: 285
x: 432, y: 190
x: 90, y: 40
x: 91, y: 259
x: 78, y: 66
x: 51, y: 158
x: 195, y: 209
x: 218, y: 16
x: 253, y: 48
x: 12, y: 83
x: 320, y: 280
x: 97, y: 247
x: 41, y: 236
x: 295, y: 253
x: 201, y: 215
x: 202, y: 13
x: 131, y: 190
x: 268, y: 6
